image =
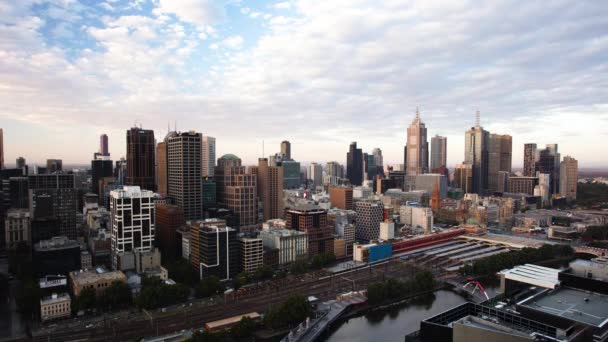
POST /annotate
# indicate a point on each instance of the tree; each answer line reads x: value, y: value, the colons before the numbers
x: 298, y: 267
x: 293, y: 311
x: 85, y: 301
x: 263, y: 272
x: 244, y: 328
x: 240, y: 280
x: 117, y: 295
x: 208, y: 287
x: 156, y: 293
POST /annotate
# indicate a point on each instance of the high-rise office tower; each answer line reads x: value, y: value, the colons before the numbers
x: 499, y: 158
x: 103, y: 145
x: 568, y: 173
x: 208, y: 156
x: 312, y: 220
x: 54, y: 165
x: 237, y: 190
x: 341, y: 197
x: 379, y: 160
x: 169, y: 218
x: 417, y: 155
x: 101, y: 167
x: 439, y: 152
x: 529, y: 160
x: 270, y: 189
x: 315, y: 174
x: 286, y: 149
x: 20, y: 163
x: 333, y: 168
x: 1, y: 149
x: 548, y: 162
x: 54, y: 197
x: 476, y: 154
x: 463, y: 177
x: 214, y: 249
x: 161, y: 168
x: 184, y: 172
x: 369, y: 166
x: 132, y: 216
x: 140, y: 158
x: 354, y: 164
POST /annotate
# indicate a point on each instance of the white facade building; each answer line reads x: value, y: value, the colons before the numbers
x: 132, y: 218
x: 208, y: 156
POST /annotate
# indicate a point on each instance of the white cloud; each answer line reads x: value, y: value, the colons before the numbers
x: 197, y: 12
x: 233, y: 42
x: 245, y: 10
x: 282, y: 5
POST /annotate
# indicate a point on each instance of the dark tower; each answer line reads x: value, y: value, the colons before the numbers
x: 140, y: 158
x: 354, y: 164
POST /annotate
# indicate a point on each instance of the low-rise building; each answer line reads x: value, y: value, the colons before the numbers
x: 292, y: 244
x: 55, y: 306
x: 98, y: 279
x: 252, y: 254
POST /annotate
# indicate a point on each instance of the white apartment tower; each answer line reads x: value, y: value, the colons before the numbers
x: 132, y: 216
x: 208, y: 156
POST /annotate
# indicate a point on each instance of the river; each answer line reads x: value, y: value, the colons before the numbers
x: 392, y: 324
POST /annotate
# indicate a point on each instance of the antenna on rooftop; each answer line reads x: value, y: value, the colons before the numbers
x: 417, y: 114
x: 263, y: 153
x: 478, y: 119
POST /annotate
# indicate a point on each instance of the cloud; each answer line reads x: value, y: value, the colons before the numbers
x: 282, y: 5
x: 322, y: 74
x: 233, y: 42
x: 197, y: 12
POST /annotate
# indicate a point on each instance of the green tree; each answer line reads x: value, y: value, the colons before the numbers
x: 244, y: 328
x: 298, y: 267
x: 263, y: 272
x: 293, y: 311
x: 85, y: 301
x: 181, y: 271
x: 208, y: 287
x: 117, y: 295
x: 240, y: 280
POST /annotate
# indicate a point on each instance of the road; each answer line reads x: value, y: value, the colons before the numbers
x: 195, y: 316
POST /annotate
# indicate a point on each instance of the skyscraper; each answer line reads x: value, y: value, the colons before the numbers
x: 476, y: 154
x: 237, y: 190
x: 54, y: 165
x: 214, y: 249
x: 315, y: 174
x: 270, y: 189
x: 439, y: 152
x: 378, y: 158
x: 529, y: 160
x: 54, y: 197
x: 20, y: 162
x: 354, y: 164
x: 417, y: 155
x: 1, y: 149
x: 161, y: 168
x: 499, y: 158
x: 367, y: 224
x: 132, y: 216
x: 101, y: 167
x: 140, y: 158
x: 568, y: 173
x: 333, y: 168
x: 369, y: 166
x: 103, y: 145
x: 286, y: 149
x: 548, y: 162
x: 208, y: 156
x: 184, y: 172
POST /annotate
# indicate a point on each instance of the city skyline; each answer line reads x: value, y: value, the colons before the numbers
x: 76, y: 70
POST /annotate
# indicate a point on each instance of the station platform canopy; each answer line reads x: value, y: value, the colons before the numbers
x: 540, y: 276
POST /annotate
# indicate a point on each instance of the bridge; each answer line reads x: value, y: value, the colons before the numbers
x: 600, y: 252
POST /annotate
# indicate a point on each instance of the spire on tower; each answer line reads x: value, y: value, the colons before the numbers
x: 478, y: 119
x: 417, y: 114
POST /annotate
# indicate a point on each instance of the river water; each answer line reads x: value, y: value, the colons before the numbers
x: 392, y: 324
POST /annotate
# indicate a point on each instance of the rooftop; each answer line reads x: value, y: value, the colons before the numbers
x: 534, y: 275
x: 510, y: 240
x: 577, y: 305
x: 56, y: 243
x: 55, y: 298
x: 229, y: 156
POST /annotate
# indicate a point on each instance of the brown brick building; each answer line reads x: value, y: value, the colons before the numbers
x: 312, y: 220
x: 341, y: 197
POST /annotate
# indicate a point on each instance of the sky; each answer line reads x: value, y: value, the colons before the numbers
x: 318, y: 73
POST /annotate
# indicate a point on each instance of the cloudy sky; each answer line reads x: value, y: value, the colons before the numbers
x: 318, y: 73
